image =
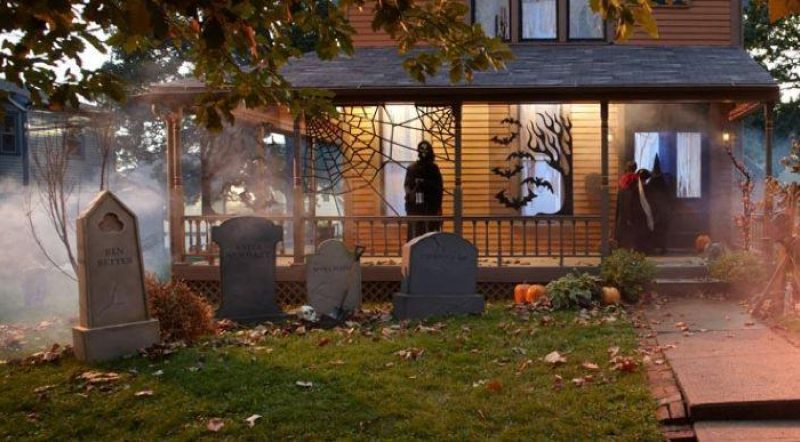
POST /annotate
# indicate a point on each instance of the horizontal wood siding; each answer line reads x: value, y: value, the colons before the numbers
x: 705, y: 22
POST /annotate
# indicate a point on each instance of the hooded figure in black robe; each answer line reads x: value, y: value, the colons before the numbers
x: 660, y: 196
x: 424, y: 188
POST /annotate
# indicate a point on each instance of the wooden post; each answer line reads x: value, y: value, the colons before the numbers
x: 177, y: 235
x: 458, y: 203
x: 769, y: 128
x: 298, y: 205
x: 604, y: 196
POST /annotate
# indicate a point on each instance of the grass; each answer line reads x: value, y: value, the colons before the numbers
x: 467, y: 385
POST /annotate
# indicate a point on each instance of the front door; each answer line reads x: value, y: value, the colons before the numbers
x: 674, y: 139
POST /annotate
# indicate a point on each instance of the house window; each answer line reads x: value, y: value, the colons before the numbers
x: 539, y: 19
x: 401, y: 131
x: 550, y: 199
x: 494, y: 16
x: 9, y: 141
x: 679, y: 156
x: 584, y: 24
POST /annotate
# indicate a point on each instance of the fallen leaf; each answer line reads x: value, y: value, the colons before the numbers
x: 613, y: 351
x: 251, y: 421
x: 158, y: 372
x: 749, y: 324
x: 215, y: 424
x: 143, y: 393
x: 555, y: 358
x: 43, y: 389
x: 410, y: 354
x: 323, y: 342
x: 494, y: 385
x: 590, y: 366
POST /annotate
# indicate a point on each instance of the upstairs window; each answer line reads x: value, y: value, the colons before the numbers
x: 494, y: 16
x: 539, y: 19
x: 9, y: 139
x: 584, y: 24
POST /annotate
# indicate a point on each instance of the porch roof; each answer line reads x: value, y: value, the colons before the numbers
x: 550, y: 72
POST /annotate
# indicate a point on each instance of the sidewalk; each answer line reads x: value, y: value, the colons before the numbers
x: 740, y: 380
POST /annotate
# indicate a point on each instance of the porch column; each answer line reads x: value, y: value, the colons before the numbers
x: 604, y: 196
x: 769, y: 128
x: 177, y: 235
x: 458, y: 204
x: 298, y: 207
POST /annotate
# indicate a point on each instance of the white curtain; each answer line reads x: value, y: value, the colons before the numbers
x: 401, y: 133
x: 493, y: 16
x: 539, y: 19
x: 583, y: 22
x: 546, y: 202
x: 689, y: 173
x: 645, y: 149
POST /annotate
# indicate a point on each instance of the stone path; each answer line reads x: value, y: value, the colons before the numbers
x: 737, y: 376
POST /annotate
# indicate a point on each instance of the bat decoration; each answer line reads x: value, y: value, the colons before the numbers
x: 519, y: 155
x: 505, y: 141
x: 512, y: 121
x: 539, y: 182
x: 516, y: 202
x: 507, y: 173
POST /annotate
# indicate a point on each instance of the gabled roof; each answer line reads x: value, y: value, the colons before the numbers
x: 554, y: 72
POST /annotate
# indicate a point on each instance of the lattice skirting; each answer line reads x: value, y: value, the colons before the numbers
x: 293, y: 293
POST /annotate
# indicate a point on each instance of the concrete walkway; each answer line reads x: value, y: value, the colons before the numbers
x: 741, y: 380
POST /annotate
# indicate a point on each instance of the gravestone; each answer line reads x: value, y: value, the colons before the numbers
x: 247, y: 266
x: 439, y: 274
x: 114, y: 320
x: 333, y: 278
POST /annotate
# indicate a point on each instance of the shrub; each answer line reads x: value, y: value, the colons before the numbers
x: 628, y: 271
x: 182, y: 313
x: 573, y: 290
x: 742, y: 270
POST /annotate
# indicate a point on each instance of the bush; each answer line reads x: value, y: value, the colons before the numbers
x: 628, y: 271
x: 742, y: 270
x: 182, y: 313
x: 573, y: 290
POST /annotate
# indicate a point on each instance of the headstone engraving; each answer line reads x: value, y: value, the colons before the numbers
x: 439, y: 274
x: 114, y: 320
x: 333, y: 278
x: 247, y: 266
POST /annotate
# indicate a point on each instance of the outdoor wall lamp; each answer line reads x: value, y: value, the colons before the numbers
x: 726, y: 136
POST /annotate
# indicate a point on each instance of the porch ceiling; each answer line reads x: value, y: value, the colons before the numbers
x: 555, y: 73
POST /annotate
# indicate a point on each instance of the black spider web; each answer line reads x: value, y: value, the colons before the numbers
x: 350, y: 150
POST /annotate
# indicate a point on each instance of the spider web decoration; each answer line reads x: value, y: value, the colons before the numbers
x: 350, y: 150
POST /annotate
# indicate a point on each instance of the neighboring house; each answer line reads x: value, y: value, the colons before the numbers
x: 14, y: 156
x: 572, y: 108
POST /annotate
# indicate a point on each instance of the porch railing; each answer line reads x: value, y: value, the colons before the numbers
x: 501, y: 238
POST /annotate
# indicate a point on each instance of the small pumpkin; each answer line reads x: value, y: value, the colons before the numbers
x: 701, y: 243
x: 535, y: 292
x: 520, y: 290
x: 610, y: 296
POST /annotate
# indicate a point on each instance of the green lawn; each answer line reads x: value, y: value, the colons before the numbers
x: 472, y: 382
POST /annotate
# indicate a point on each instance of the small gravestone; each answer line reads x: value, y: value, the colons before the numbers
x: 333, y: 279
x: 247, y: 266
x: 113, y: 308
x: 439, y: 274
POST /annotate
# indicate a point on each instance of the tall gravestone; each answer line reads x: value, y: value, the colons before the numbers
x: 247, y: 265
x: 114, y: 320
x: 333, y: 278
x: 439, y: 274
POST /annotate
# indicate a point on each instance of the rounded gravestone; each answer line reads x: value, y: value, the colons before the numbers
x: 333, y: 278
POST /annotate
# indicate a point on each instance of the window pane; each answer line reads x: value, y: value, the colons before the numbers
x: 9, y: 144
x: 493, y: 16
x: 547, y: 202
x: 646, y: 148
x: 689, y: 174
x: 539, y: 19
x: 401, y: 132
x: 583, y: 22
x: 9, y: 125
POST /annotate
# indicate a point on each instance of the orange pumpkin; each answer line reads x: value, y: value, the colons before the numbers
x: 611, y: 296
x: 535, y: 292
x: 701, y: 243
x: 520, y: 290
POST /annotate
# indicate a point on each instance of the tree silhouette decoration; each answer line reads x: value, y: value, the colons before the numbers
x: 549, y: 140
x: 351, y: 149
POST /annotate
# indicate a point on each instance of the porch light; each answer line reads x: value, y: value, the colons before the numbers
x: 610, y: 137
x: 726, y: 136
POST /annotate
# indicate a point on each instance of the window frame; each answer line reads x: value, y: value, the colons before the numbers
x: 604, y: 37
x: 520, y: 16
x: 472, y: 10
x: 16, y: 132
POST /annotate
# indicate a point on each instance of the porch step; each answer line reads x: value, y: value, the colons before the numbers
x: 688, y: 286
x: 679, y: 271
